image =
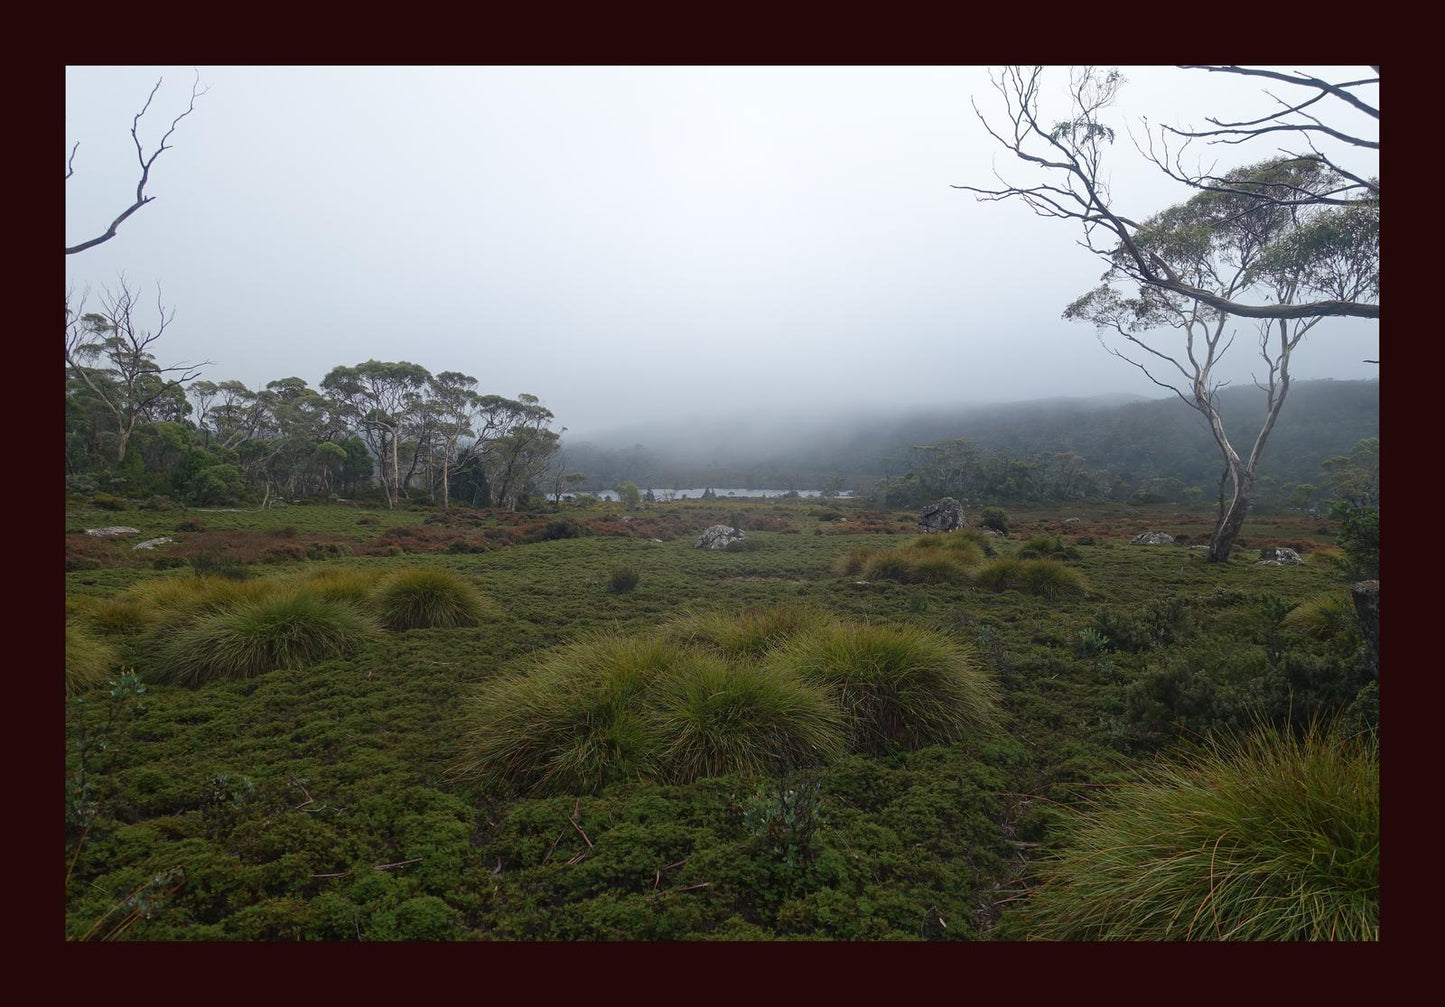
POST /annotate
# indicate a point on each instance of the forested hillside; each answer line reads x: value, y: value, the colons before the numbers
x: 1133, y: 442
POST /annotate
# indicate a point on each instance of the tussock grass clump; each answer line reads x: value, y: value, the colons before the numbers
x: 897, y: 687
x: 288, y: 630
x: 197, y: 595
x: 339, y: 584
x: 712, y: 718
x: 1324, y: 616
x: 852, y: 563
x: 1043, y: 577
x: 1052, y: 580
x: 1271, y: 838
x: 429, y: 597
x: 1003, y: 574
x: 87, y: 660
x: 121, y: 615
x: 968, y: 543
x: 577, y: 721
x: 749, y: 634
x: 914, y: 564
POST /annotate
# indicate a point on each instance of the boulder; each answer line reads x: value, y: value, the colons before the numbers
x: 113, y: 531
x: 1152, y: 538
x: 719, y: 536
x: 1366, y: 596
x: 1278, y: 555
x: 944, y: 515
x: 151, y: 543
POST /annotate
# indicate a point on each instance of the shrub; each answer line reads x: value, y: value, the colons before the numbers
x: 1273, y: 838
x: 576, y: 721
x: 87, y: 661
x: 852, y: 564
x: 109, y: 501
x: 430, y: 597
x: 711, y: 718
x: 750, y: 634
x: 995, y: 518
x: 898, y: 687
x: 288, y: 630
x: 565, y: 528
x: 623, y: 579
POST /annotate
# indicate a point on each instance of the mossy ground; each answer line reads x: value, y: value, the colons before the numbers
x: 352, y: 826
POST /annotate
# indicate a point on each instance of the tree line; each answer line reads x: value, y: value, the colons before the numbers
x: 391, y: 428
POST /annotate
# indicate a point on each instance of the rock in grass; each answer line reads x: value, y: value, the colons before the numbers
x: 719, y: 536
x: 112, y: 531
x: 1152, y: 538
x: 943, y: 515
x: 1278, y: 555
x: 151, y: 543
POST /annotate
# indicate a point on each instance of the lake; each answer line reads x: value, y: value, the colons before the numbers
x: 663, y: 495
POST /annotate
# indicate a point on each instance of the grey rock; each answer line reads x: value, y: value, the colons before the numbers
x: 944, y: 515
x: 1072, y: 520
x: 112, y: 531
x: 1152, y: 538
x: 719, y: 536
x: 151, y: 543
x: 1278, y: 555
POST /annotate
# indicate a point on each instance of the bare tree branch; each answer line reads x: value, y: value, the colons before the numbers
x: 145, y: 161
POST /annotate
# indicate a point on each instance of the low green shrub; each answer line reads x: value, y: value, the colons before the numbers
x: 1273, y: 838
x: 898, y: 687
x: 995, y: 518
x: 430, y: 598
x: 289, y: 630
x: 109, y: 501
x: 623, y: 579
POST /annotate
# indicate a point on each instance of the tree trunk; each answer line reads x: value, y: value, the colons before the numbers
x: 446, y: 481
x: 1227, y: 531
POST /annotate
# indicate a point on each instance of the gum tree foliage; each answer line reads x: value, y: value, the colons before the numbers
x: 109, y: 352
x: 1332, y: 222
x: 1229, y: 242
x: 1286, y: 242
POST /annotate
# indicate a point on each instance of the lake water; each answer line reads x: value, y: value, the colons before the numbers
x: 722, y: 494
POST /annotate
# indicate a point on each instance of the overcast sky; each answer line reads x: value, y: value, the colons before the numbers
x: 626, y: 243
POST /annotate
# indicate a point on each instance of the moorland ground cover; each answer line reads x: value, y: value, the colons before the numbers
x: 294, y: 708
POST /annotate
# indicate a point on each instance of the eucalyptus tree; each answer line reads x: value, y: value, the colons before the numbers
x: 454, y: 401
x: 379, y: 398
x: 1071, y: 180
x: 1228, y: 242
x: 110, y: 352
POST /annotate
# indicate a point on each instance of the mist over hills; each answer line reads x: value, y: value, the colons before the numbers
x: 1131, y: 437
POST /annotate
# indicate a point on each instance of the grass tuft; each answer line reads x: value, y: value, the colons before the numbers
x: 87, y: 660
x: 898, y: 687
x: 288, y: 630
x: 575, y: 722
x: 1324, y: 616
x: 750, y: 634
x: 712, y: 718
x: 430, y: 597
x: 1272, y: 838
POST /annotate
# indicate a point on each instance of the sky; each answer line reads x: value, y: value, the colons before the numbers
x: 630, y: 244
